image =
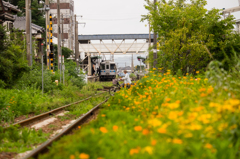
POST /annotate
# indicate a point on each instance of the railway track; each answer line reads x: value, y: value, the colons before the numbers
x: 43, y: 116
x: 45, y: 146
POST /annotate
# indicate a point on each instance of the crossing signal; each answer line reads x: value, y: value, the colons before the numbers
x: 51, y: 55
x: 51, y: 47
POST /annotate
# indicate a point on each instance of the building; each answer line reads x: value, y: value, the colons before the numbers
x: 7, y: 12
x: 37, y: 31
x: 67, y: 11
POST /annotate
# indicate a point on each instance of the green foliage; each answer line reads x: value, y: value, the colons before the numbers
x: 34, y: 79
x: 65, y: 51
x: 15, y: 139
x: 132, y: 75
x: 219, y: 77
x: 138, y: 67
x: 13, y: 61
x: 190, y: 36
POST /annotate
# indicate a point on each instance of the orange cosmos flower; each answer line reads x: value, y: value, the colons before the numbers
x: 103, y: 130
x: 145, y: 132
x: 153, y: 142
x: 84, y: 156
x: 115, y: 128
x: 162, y: 130
x: 138, y: 128
x: 177, y: 141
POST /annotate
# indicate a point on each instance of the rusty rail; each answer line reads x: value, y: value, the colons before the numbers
x: 44, y: 148
x: 35, y: 119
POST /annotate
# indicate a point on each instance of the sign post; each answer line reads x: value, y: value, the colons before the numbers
x: 63, y: 67
x: 42, y: 68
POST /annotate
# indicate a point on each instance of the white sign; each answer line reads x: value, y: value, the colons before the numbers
x: 60, y: 60
x: 82, y: 55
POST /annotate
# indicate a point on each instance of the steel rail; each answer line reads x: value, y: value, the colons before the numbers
x: 32, y: 120
x: 44, y: 148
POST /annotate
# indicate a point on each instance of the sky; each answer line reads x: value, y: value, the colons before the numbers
x: 123, y: 17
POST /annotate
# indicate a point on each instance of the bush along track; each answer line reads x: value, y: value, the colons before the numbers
x: 17, y: 140
x: 16, y: 105
x: 162, y: 116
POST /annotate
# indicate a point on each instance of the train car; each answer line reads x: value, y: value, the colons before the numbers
x: 108, y: 71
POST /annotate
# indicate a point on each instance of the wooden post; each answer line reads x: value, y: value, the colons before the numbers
x: 76, y: 42
x: 28, y: 6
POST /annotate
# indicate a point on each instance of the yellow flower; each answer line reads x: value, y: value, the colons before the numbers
x: 138, y: 128
x: 84, y: 156
x: 149, y: 150
x: 188, y: 135
x: 79, y: 127
x: 154, y: 122
x: 173, y: 105
x: 72, y: 157
x: 103, y: 130
x: 195, y: 127
x: 115, y: 128
x: 99, y: 158
x: 103, y: 115
x: 197, y: 72
x: 177, y: 141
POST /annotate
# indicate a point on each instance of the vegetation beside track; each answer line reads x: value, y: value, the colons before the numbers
x: 162, y: 116
x: 18, y: 140
x: 15, y: 103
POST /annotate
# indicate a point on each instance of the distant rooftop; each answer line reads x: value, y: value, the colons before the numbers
x: 10, y: 7
x: 20, y: 23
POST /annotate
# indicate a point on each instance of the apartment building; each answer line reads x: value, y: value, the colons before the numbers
x: 67, y: 11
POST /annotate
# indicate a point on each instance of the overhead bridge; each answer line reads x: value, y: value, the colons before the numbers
x: 111, y: 44
x: 114, y: 43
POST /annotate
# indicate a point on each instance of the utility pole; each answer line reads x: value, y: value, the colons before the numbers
x: 155, y: 41
x: 62, y: 32
x: 30, y: 22
x: 59, y: 32
x: 132, y: 64
x: 76, y: 42
x: 28, y: 6
x: 149, y: 42
x: 72, y: 39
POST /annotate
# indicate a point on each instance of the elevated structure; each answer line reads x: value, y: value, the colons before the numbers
x: 112, y: 44
x: 229, y: 11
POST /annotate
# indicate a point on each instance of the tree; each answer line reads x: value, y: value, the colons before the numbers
x: 189, y: 36
x: 13, y: 61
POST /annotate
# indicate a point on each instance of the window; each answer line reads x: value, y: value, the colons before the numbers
x: 107, y: 67
x: 102, y: 67
x: 112, y: 66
